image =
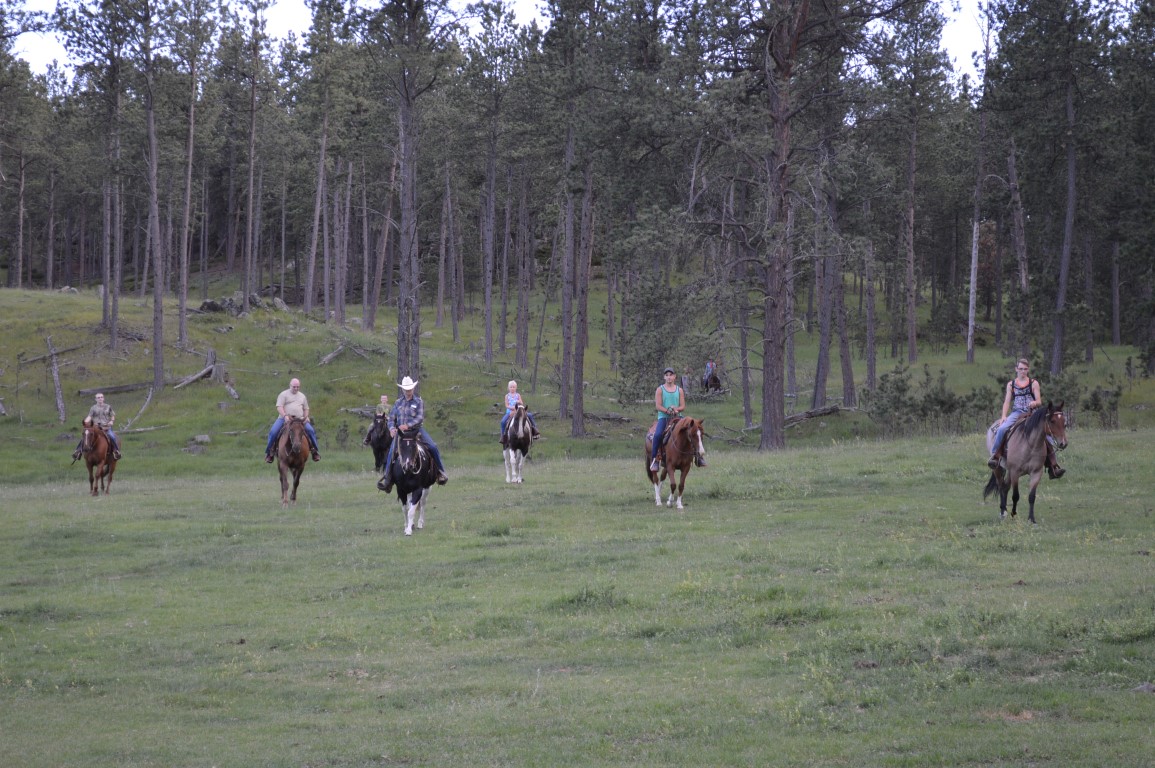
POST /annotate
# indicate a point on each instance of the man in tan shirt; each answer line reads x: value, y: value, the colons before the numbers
x: 292, y: 402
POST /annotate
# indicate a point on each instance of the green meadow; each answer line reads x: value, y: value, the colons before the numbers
x: 849, y: 601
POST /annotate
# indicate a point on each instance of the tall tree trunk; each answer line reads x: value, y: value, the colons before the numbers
x: 1019, y: 238
x: 1068, y: 239
x: 408, y: 296
x: 318, y: 203
x: 186, y: 215
x: 383, y: 249
x: 525, y: 263
x: 908, y: 245
x: 581, y: 282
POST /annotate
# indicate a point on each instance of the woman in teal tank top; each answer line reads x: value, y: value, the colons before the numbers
x: 669, y: 401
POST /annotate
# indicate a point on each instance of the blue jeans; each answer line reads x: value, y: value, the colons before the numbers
x: 428, y: 441
x: 505, y: 421
x: 658, y: 432
x: 1001, y: 432
x: 276, y: 429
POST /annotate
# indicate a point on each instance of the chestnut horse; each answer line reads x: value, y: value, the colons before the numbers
x: 292, y: 456
x: 684, y: 446
x: 518, y: 439
x: 98, y: 456
x: 1026, y: 450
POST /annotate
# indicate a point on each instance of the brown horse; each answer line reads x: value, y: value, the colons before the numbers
x: 98, y: 456
x: 292, y: 456
x: 1026, y: 449
x: 684, y: 447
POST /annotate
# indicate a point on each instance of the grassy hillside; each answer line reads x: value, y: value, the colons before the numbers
x: 263, y: 351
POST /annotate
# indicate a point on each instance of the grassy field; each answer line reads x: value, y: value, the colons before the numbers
x: 850, y: 605
x: 845, y: 602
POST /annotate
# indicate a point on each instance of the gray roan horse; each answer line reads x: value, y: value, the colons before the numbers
x: 1026, y: 449
x: 413, y: 473
x: 518, y: 439
x: 292, y: 456
x: 684, y: 446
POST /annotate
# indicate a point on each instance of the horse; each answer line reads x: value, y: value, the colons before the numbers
x: 97, y: 448
x: 518, y: 439
x: 379, y: 439
x: 292, y: 456
x: 711, y: 382
x: 1026, y: 452
x: 684, y: 446
x: 413, y: 473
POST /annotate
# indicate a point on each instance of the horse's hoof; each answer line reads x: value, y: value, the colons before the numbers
x: 409, y: 533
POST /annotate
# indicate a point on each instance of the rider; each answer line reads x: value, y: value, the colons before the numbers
x: 408, y: 415
x: 102, y: 415
x: 382, y: 410
x: 512, y: 400
x: 292, y: 402
x: 669, y: 401
x: 1023, y: 396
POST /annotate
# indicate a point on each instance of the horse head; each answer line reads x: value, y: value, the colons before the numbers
x: 1057, y: 425
x: 411, y: 454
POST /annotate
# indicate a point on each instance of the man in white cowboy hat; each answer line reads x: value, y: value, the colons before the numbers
x: 407, y: 416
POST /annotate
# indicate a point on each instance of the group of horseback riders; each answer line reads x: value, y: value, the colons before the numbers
x: 407, y: 416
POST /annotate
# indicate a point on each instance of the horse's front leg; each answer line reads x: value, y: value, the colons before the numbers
x: 421, y: 512
x: 409, y: 506
x: 92, y: 483
x: 1015, y: 500
x: 296, y: 482
x: 508, y: 465
x: 676, y: 491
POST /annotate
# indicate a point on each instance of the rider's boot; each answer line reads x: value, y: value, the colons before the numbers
x: 268, y: 457
x: 1054, y: 471
x: 385, y: 484
x: 698, y: 460
x: 993, y: 461
x: 78, y: 452
x: 442, y: 478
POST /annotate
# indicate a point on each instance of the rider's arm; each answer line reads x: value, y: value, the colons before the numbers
x: 681, y: 400
x: 658, y: 400
x: 1037, y: 392
x: 1007, y: 402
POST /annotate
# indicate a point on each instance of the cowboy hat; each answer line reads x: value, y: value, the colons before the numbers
x: 407, y: 384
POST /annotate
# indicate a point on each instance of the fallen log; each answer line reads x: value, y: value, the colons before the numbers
x: 121, y: 388
x: 798, y: 418
x: 332, y: 355
x: 210, y: 367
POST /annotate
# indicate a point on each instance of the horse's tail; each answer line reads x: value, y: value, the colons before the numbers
x: 992, y: 486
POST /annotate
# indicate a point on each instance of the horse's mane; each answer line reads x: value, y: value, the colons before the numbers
x: 1035, y: 421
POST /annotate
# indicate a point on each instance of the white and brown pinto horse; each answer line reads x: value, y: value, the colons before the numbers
x: 685, y: 445
x: 516, y: 442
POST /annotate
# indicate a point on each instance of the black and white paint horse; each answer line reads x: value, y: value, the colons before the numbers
x: 413, y: 473
x: 518, y: 439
